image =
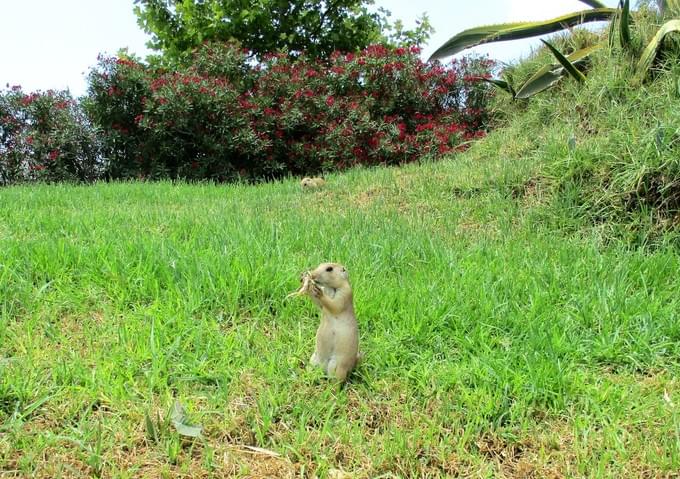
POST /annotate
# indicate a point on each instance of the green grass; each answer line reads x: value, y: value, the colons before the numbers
x: 518, y: 308
x: 496, y: 345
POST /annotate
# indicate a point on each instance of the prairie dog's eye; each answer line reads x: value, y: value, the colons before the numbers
x: 329, y: 269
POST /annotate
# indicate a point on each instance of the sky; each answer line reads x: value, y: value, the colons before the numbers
x: 52, y: 44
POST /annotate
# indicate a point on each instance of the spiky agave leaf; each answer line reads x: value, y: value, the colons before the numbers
x: 151, y: 430
x: 179, y: 420
x: 612, y: 28
x: 594, y: 3
x: 624, y: 25
x: 544, y: 79
x: 551, y: 74
x: 501, y: 84
x: 568, y: 66
x: 515, y: 31
x: 650, y: 52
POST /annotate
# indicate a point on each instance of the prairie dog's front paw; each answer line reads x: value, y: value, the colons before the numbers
x: 315, y: 291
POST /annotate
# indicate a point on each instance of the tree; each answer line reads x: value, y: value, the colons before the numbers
x: 262, y: 26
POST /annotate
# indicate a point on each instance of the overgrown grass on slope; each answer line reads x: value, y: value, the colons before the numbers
x: 495, y: 347
x: 606, y: 153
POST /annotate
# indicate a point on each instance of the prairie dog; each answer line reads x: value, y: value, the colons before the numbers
x: 337, y: 339
x: 312, y: 183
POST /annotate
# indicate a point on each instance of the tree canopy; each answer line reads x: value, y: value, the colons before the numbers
x: 262, y: 26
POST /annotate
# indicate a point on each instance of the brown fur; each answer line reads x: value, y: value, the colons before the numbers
x: 337, y: 339
x: 312, y: 183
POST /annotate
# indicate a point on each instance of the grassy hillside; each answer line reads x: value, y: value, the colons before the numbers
x: 518, y: 308
x: 495, y: 346
x: 605, y: 154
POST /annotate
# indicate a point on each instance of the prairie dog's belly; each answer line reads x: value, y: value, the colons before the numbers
x: 336, y: 341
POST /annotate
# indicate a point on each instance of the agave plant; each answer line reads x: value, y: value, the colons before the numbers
x: 649, y: 54
x: 551, y: 74
x: 502, y: 84
x: 515, y: 31
x: 567, y: 65
x: 547, y: 76
x: 624, y: 28
x: 652, y: 50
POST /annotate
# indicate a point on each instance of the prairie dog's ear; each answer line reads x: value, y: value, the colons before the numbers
x: 344, y: 273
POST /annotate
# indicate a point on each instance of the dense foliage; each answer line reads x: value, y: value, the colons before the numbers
x: 316, y: 28
x: 45, y: 136
x: 222, y: 118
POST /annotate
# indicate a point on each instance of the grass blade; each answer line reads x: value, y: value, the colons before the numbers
x: 151, y: 431
x: 612, y: 28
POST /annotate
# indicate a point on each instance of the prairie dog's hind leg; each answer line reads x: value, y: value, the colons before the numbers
x: 338, y: 370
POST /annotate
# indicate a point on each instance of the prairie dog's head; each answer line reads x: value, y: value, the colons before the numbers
x: 308, y: 182
x: 332, y: 275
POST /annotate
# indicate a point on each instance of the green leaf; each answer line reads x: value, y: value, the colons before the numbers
x: 551, y: 74
x: 501, y: 84
x: 542, y: 80
x: 151, y: 431
x: 571, y: 143
x: 649, y: 54
x: 612, y: 29
x: 624, y: 25
x: 594, y: 3
x: 179, y: 420
x: 515, y: 31
x: 568, y: 66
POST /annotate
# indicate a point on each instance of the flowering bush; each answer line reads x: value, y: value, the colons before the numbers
x: 222, y: 118
x: 45, y: 136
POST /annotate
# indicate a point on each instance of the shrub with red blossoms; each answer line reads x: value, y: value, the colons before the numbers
x: 221, y: 117
x: 382, y: 106
x: 45, y: 136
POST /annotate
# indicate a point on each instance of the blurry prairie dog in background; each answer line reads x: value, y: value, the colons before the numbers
x: 337, y: 339
x: 312, y: 183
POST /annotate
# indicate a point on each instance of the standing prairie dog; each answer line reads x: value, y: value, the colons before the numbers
x: 312, y: 183
x: 337, y: 339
